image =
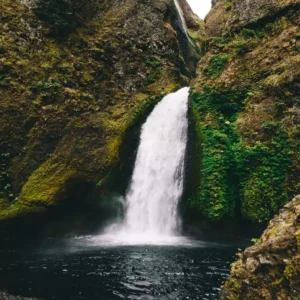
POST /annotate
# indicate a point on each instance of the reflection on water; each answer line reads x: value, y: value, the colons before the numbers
x: 87, y: 268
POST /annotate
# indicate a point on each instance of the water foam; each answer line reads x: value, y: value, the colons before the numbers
x: 151, y: 213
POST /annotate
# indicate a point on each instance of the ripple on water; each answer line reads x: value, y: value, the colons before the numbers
x: 80, y: 270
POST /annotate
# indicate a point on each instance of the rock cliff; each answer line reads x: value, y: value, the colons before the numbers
x: 245, y: 159
x: 271, y: 268
x: 75, y: 76
x: 246, y: 116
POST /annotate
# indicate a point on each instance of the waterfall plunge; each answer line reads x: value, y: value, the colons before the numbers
x: 157, y: 182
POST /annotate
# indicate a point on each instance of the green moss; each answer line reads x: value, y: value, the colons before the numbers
x: 62, y: 15
x: 155, y: 63
x: 227, y: 102
x: 262, y: 172
x: 234, y: 174
x: 292, y: 270
x: 228, y: 5
x: 214, y: 198
x: 214, y: 112
x: 216, y: 65
x: 45, y: 186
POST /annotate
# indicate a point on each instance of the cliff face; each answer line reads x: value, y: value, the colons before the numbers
x: 245, y: 111
x: 271, y: 268
x: 246, y: 117
x: 74, y: 77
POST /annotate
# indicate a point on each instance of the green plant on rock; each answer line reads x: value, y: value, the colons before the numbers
x: 228, y: 5
x: 227, y: 102
x: 58, y: 13
x: 152, y: 77
x: 4, y: 80
x: 216, y: 65
x: 46, y: 86
x: 215, y: 198
x: 241, y: 46
x: 155, y: 63
x: 62, y: 15
x: 248, y: 33
x: 5, y: 68
x: 269, y: 127
x: 262, y: 171
x: 218, y: 42
x: 215, y: 113
x: 235, y: 176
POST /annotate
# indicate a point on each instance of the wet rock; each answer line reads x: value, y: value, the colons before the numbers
x: 252, y: 264
x: 278, y: 250
x: 246, y: 12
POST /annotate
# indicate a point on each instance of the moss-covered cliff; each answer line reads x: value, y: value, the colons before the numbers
x: 74, y: 77
x: 246, y: 146
x: 245, y: 111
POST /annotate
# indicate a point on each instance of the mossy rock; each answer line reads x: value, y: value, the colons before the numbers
x: 271, y: 268
x: 243, y: 93
x: 75, y: 77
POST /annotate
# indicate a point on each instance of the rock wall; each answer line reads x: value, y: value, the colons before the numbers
x: 245, y: 106
x: 246, y: 121
x: 271, y: 268
x: 75, y: 76
x: 247, y: 12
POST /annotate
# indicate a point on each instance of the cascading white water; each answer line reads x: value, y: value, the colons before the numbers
x: 157, y: 182
x: 181, y: 17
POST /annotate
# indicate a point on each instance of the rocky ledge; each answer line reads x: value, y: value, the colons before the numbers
x: 271, y: 268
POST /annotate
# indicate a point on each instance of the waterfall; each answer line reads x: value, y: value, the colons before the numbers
x: 181, y: 17
x: 151, y: 203
x: 157, y: 180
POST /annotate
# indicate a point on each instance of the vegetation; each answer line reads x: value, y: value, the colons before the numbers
x: 216, y: 65
x: 75, y: 78
x: 262, y: 170
x: 63, y: 16
x: 216, y: 111
x: 245, y: 128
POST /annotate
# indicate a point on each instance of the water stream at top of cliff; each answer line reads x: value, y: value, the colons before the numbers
x: 151, y: 203
x: 181, y: 17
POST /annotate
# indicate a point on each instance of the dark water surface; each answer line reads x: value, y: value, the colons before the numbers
x: 63, y: 270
